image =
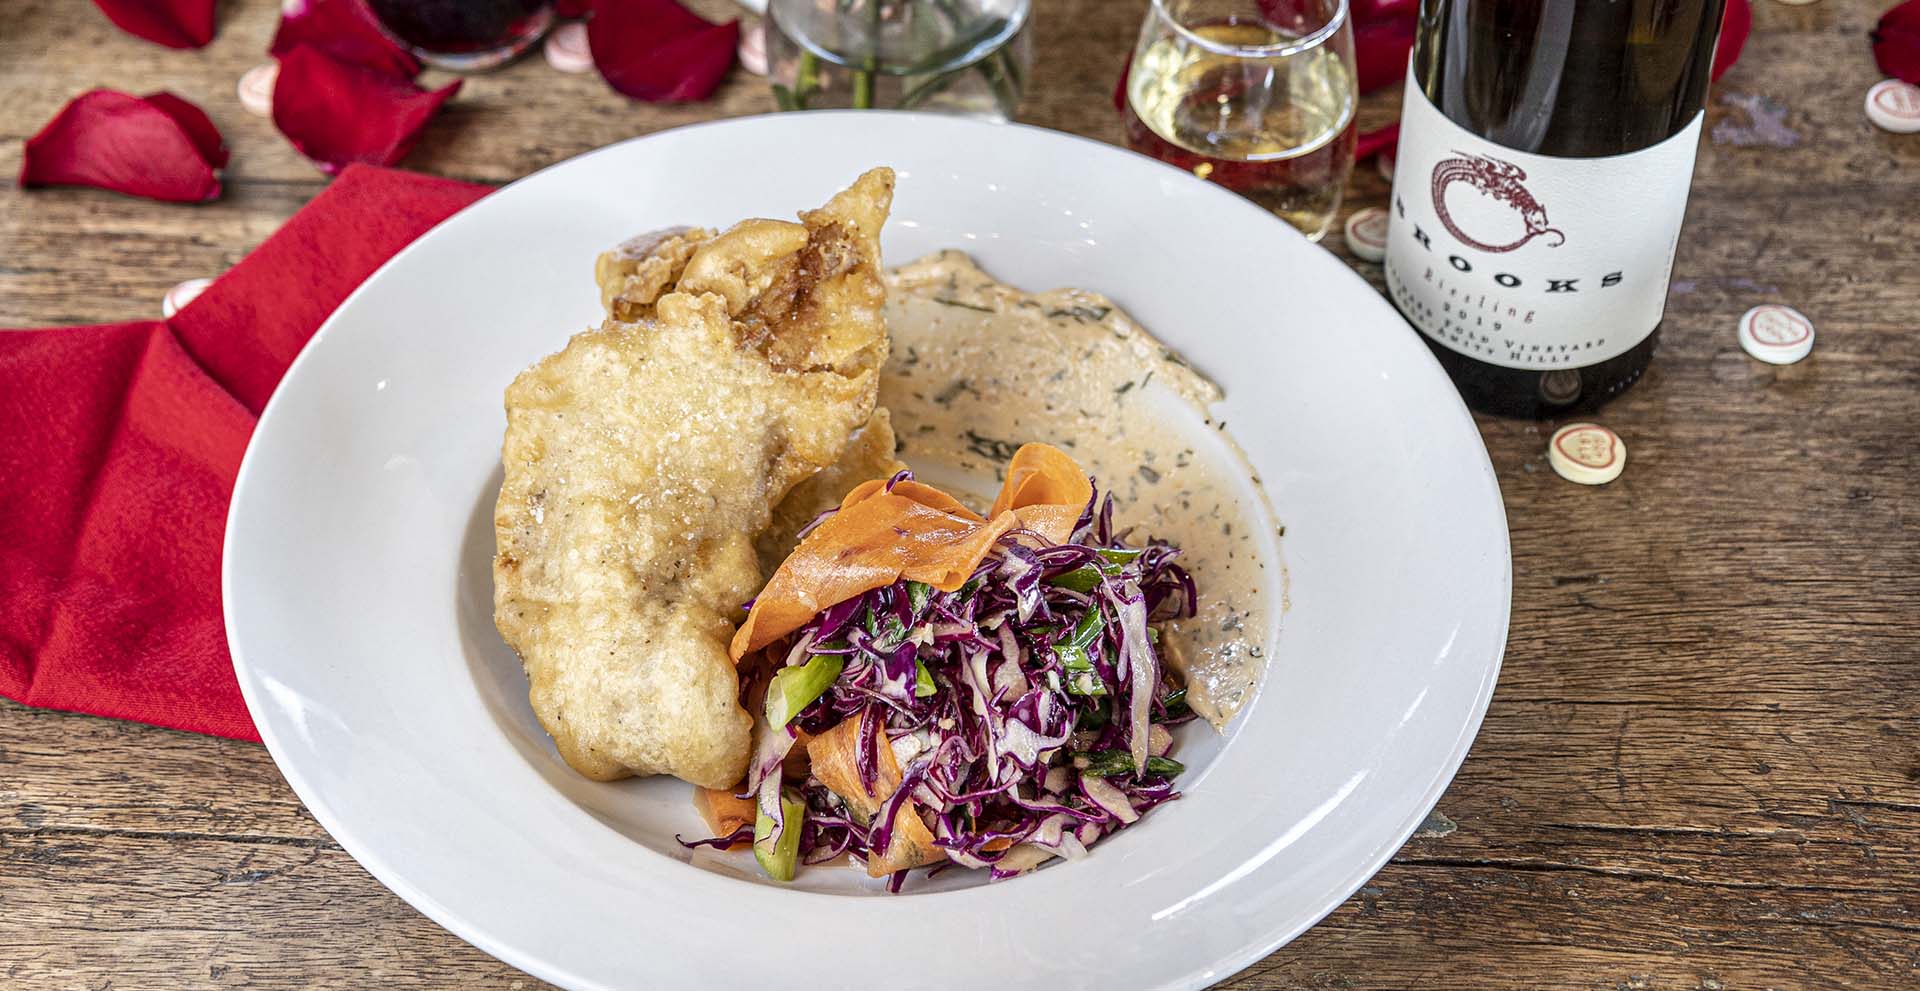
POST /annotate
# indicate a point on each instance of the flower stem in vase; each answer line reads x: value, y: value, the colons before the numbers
x: 806, y: 79
x: 863, y: 78
x: 863, y: 87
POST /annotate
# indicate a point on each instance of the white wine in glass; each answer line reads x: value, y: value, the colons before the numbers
x: 1256, y: 96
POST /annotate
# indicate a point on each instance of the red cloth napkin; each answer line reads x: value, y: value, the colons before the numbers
x: 118, y: 448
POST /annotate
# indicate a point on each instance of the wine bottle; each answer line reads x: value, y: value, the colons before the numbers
x: 1546, y: 148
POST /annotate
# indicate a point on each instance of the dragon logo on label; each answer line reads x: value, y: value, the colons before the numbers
x: 1500, y: 183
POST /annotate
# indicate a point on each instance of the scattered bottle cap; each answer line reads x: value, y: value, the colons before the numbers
x: 753, y: 48
x: 1587, y: 453
x: 256, y: 88
x: 1384, y: 163
x: 1367, y: 234
x: 1894, y: 105
x: 179, y: 296
x: 567, y: 49
x: 1778, y: 335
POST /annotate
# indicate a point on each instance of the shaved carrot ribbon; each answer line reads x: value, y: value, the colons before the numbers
x: 836, y: 764
x: 916, y: 532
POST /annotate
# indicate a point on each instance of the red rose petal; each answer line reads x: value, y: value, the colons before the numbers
x: 129, y: 145
x: 197, y: 125
x: 1380, y: 49
x: 1380, y: 139
x: 344, y: 29
x: 1896, y: 42
x: 1299, y: 17
x: 173, y: 23
x: 1369, y: 11
x: 659, y: 51
x: 1292, y: 16
x: 1735, y: 24
x: 338, y: 112
x: 572, y: 8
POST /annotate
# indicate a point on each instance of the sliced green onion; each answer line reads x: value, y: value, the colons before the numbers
x: 778, y: 849
x: 1087, y: 576
x: 890, y: 635
x: 1087, y: 630
x: 1086, y: 683
x: 1082, y: 678
x: 918, y: 595
x: 793, y: 689
x: 1082, y: 579
x: 1113, y: 763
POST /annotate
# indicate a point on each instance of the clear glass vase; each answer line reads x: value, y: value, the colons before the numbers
x: 950, y: 56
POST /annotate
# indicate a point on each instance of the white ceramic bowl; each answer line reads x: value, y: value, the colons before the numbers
x: 358, y: 591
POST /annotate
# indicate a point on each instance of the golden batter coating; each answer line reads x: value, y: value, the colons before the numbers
x: 869, y: 455
x: 642, y: 460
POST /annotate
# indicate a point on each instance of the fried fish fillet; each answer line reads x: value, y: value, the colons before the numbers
x: 642, y: 459
x: 868, y: 456
x: 632, y: 275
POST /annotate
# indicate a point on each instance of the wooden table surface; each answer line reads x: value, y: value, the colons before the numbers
x: 1702, y: 766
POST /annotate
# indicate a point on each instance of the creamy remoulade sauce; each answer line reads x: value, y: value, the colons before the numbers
x: 979, y: 368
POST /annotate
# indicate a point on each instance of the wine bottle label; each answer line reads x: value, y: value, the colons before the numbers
x: 1531, y: 261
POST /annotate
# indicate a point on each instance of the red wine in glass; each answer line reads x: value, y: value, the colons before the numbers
x: 464, y: 35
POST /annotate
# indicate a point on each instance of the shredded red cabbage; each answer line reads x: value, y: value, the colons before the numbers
x: 1020, y: 706
x: 742, y: 834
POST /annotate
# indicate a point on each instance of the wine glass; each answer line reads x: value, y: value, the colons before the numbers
x: 1256, y: 95
x: 464, y: 35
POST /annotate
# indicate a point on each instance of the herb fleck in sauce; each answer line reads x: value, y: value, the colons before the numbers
x: 992, y: 367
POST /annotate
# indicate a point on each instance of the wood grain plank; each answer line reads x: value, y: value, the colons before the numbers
x: 1444, y: 924
x: 164, y: 911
